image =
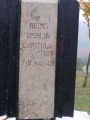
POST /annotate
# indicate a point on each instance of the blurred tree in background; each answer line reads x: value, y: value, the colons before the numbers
x: 85, y: 6
x: 80, y: 64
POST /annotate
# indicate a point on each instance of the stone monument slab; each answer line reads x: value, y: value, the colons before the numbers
x: 38, y: 38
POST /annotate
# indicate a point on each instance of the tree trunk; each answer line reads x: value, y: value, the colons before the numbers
x: 86, y: 76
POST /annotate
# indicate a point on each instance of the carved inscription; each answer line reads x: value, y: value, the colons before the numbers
x: 43, y: 49
x: 37, y: 60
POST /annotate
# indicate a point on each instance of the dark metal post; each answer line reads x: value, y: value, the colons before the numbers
x: 68, y: 14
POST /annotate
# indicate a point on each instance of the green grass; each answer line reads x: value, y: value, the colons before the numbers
x: 82, y: 95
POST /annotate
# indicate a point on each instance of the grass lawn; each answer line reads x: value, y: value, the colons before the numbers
x: 82, y: 95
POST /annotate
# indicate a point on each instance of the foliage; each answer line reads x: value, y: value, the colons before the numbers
x: 85, y: 6
x: 80, y: 63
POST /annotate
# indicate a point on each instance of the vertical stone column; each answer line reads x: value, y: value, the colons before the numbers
x: 38, y: 36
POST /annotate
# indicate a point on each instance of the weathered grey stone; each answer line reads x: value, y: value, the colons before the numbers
x: 37, y: 58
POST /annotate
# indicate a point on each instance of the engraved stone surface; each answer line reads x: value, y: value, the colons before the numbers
x: 37, y: 58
